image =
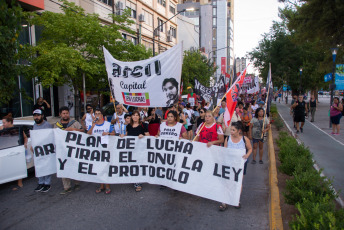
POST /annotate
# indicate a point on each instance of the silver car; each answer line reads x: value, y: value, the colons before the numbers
x: 15, y: 160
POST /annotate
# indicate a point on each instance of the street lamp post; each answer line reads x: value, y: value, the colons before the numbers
x: 333, y: 85
x: 300, y: 80
x: 157, y: 28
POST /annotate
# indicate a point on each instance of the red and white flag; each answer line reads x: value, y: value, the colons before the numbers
x: 231, y: 98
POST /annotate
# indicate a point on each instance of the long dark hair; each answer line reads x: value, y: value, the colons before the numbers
x: 257, y: 111
x: 175, y: 114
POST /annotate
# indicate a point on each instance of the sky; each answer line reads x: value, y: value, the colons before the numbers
x: 252, y: 18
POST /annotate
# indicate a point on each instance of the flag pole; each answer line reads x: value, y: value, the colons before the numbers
x: 266, y: 99
x: 217, y: 106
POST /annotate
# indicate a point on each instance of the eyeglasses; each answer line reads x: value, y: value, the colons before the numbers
x: 97, y: 113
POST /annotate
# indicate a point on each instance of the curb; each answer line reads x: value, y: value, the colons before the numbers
x: 315, y: 166
x: 275, y: 213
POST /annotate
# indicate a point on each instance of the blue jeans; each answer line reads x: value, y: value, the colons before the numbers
x: 46, y: 180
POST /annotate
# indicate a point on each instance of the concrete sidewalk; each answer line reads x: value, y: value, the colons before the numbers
x: 327, y: 149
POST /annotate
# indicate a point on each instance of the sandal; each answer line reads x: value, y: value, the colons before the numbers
x: 17, y: 187
x: 99, y: 190
x: 223, y: 207
x: 138, y: 188
x: 107, y: 191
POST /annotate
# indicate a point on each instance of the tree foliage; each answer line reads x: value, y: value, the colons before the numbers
x: 10, y: 18
x: 196, y: 66
x: 71, y: 45
x: 303, y: 39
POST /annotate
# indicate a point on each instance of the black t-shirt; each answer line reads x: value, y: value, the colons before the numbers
x: 140, y: 129
x: 300, y: 108
x: 199, y: 121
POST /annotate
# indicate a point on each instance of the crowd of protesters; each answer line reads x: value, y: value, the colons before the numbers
x: 195, y: 122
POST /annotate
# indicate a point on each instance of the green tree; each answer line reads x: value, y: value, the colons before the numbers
x: 10, y: 18
x: 71, y: 46
x: 196, y: 66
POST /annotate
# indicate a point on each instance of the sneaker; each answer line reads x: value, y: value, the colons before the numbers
x: 253, y: 162
x: 64, y: 192
x: 46, y: 188
x: 301, y: 130
x: 333, y: 133
x: 261, y: 162
x: 39, y: 188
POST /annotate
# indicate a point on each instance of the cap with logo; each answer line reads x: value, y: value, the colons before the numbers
x: 37, y: 111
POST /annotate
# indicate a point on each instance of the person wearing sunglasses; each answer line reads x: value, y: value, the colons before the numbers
x: 88, y: 117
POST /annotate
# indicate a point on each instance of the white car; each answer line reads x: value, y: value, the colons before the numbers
x: 15, y: 160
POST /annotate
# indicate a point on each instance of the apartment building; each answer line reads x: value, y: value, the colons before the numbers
x: 216, y: 29
x: 147, y: 14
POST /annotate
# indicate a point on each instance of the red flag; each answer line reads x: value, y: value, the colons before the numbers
x: 231, y: 98
x: 227, y: 80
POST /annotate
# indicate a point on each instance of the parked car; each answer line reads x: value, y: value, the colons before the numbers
x: 15, y: 160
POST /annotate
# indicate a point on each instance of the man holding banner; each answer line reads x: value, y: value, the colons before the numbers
x: 101, y: 128
x: 68, y: 125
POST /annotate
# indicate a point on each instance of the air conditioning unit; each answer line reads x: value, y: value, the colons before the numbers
x: 169, y: 38
x: 141, y: 18
x: 157, y: 33
x: 119, y: 5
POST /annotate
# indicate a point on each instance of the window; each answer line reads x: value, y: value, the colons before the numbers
x: 214, y: 21
x: 134, y: 40
x: 124, y: 36
x: 132, y: 8
x: 214, y: 2
x: 173, y: 32
x: 160, y: 25
x: 162, y: 2
x: 172, y: 9
x: 214, y: 11
x: 107, y: 2
x: 148, y: 18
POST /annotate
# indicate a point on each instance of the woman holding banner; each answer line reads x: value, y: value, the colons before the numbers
x: 209, y: 132
x: 153, y: 122
x: 172, y: 128
x: 139, y: 129
x: 237, y: 141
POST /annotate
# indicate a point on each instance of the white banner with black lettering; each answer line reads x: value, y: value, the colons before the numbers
x: 215, y: 173
x: 154, y: 82
x: 254, y: 86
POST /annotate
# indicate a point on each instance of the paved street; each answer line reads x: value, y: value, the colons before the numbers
x: 326, y: 148
x: 125, y: 209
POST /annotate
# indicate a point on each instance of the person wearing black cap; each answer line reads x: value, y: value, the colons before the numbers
x: 44, y: 182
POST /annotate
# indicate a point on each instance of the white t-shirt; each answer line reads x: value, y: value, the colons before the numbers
x: 120, y: 118
x: 170, y: 131
x: 88, y: 120
x: 100, y: 129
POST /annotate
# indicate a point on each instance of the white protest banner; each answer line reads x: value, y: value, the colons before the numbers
x: 254, y: 86
x: 154, y: 82
x: 215, y: 173
x: 43, y: 145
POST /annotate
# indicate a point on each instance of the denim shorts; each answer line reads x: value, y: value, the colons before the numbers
x: 257, y: 140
